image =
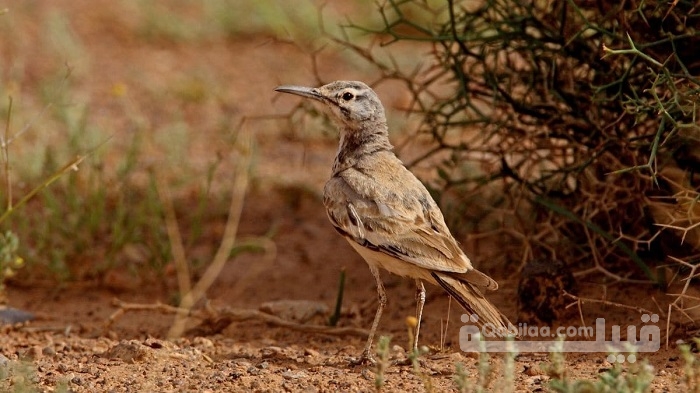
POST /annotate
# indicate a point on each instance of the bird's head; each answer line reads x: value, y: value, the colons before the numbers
x: 353, y: 105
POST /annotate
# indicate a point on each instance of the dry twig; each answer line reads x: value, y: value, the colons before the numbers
x: 677, y: 304
x: 580, y: 301
x: 232, y: 315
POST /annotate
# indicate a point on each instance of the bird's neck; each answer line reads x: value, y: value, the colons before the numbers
x: 356, y: 143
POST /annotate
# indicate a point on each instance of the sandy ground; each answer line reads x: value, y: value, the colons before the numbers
x: 74, y: 342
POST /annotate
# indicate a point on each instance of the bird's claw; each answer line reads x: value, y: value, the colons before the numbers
x: 408, y: 361
x: 409, y: 358
x: 366, y: 359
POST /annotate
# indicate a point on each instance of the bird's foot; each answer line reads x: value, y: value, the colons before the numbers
x: 405, y: 361
x: 366, y: 359
x: 410, y: 359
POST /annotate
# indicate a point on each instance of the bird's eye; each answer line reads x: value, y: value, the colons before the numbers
x: 347, y: 96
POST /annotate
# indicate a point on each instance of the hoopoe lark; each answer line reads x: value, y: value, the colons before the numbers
x: 386, y: 213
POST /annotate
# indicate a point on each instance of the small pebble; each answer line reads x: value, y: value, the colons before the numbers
x: 34, y: 353
x: 253, y: 371
x: 203, y: 342
x: 289, y: 374
x: 48, y: 351
x: 242, y: 363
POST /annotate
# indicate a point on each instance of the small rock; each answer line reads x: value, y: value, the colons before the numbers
x: 253, y: 371
x: 11, y: 316
x: 471, y: 355
x: 4, y: 361
x: 48, y: 351
x: 242, y: 363
x: 34, y: 353
x: 533, y: 370
x: 311, y: 352
x: 270, y: 351
x: 203, y: 342
x: 295, y: 310
x: 159, y: 344
x: 127, y: 351
x: 456, y: 357
x: 289, y: 374
x: 437, y: 369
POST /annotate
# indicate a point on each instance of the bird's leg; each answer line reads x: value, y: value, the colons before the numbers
x: 420, y: 302
x: 381, y: 294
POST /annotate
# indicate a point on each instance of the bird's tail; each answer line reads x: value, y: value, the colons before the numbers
x: 474, y: 302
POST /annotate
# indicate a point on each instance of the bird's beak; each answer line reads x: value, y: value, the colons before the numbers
x: 308, y: 92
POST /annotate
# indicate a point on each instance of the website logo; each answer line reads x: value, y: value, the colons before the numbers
x: 532, y: 338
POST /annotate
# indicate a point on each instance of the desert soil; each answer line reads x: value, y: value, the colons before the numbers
x: 73, y: 344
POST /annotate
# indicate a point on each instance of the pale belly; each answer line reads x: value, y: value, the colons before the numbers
x: 391, y: 264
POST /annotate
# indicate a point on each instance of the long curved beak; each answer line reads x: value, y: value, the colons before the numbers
x: 308, y: 92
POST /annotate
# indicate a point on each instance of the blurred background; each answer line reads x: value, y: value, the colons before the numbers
x: 144, y: 90
x: 118, y: 116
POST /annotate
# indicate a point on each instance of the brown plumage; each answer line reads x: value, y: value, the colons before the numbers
x: 386, y: 213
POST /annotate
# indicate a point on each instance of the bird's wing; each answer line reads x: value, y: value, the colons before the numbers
x: 403, y: 223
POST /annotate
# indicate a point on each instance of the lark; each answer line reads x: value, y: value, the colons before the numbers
x: 387, y: 214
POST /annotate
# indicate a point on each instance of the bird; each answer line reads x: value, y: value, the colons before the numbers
x: 387, y: 215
